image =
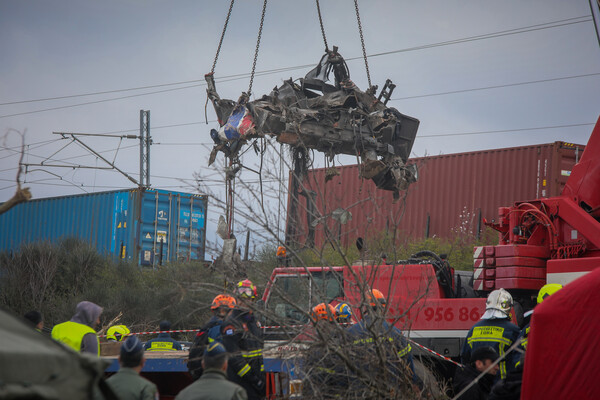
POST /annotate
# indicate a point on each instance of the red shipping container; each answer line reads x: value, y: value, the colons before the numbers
x: 454, y: 192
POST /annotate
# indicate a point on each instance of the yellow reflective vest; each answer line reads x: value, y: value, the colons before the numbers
x: 72, y: 333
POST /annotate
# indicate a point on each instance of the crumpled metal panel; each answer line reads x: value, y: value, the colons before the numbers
x: 341, y: 119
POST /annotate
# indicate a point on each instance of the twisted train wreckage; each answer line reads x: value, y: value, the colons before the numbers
x: 333, y: 119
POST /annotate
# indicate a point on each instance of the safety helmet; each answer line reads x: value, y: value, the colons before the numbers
x: 117, y: 333
x: 246, y: 288
x: 323, y: 311
x: 223, y: 300
x: 281, y: 251
x: 375, y: 297
x: 499, y: 300
x: 343, y: 312
x: 548, y: 290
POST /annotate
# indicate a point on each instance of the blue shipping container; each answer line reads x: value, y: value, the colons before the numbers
x: 136, y: 224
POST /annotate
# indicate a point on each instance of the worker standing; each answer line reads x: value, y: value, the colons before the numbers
x: 35, y: 319
x: 213, y: 384
x: 221, y: 306
x: 325, y: 375
x: 79, y: 333
x: 127, y: 384
x: 544, y: 292
x: 242, y: 337
x: 164, y: 341
x: 375, y: 341
x: 494, y: 330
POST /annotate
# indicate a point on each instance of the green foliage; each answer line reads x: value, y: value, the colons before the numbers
x: 54, y: 278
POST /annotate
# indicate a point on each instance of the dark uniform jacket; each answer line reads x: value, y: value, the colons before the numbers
x: 498, y: 333
x: 242, y: 337
x: 199, y: 345
x: 163, y: 342
x: 391, y: 341
x: 479, y: 391
x: 212, y: 385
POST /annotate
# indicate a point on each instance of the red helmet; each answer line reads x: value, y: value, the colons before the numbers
x: 246, y: 288
x: 374, y: 297
x: 223, y: 300
x: 323, y: 311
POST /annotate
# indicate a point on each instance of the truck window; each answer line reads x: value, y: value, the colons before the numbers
x: 327, y: 285
x: 288, y: 300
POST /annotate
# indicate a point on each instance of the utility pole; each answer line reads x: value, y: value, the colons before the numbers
x: 145, y: 142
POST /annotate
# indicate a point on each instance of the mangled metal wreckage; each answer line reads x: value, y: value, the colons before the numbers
x: 333, y: 119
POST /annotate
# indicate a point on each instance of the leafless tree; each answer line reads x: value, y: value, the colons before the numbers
x: 22, y: 194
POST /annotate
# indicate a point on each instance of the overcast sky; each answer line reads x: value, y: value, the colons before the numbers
x: 478, y: 74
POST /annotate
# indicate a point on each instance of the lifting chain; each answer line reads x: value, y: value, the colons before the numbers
x: 322, y: 28
x: 212, y: 70
x: 362, y: 42
x: 262, y: 20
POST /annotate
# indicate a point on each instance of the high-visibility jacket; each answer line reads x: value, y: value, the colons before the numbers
x: 498, y: 333
x: 72, y: 333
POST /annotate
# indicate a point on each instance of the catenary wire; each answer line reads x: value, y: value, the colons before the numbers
x: 531, y: 28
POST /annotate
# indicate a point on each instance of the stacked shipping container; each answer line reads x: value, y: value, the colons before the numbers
x: 453, y: 194
x: 145, y: 225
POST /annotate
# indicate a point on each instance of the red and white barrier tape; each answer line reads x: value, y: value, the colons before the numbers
x: 155, y: 332
x: 436, y: 353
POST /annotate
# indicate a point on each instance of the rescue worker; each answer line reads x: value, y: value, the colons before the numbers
x: 545, y: 291
x: 481, y: 359
x: 164, y: 341
x: 325, y: 373
x: 117, y: 333
x: 79, y: 333
x: 35, y: 319
x: 494, y: 330
x: 127, y: 383
x: 221, y: 306
x: 213, y: 384
x: 373, y: 338
x: 241, y: 335
x: 343, y: 313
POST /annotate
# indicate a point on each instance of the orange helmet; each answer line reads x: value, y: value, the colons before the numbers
x: 323, y: 311
x: 375, y: 297
x: 281, y: 252
x: 223, y: 300
x: 246, y: 288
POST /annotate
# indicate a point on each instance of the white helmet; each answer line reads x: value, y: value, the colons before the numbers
x: 498, y: 304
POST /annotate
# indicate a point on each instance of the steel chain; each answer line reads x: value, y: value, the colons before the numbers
x: 362, y: 42
x: 212, y: 70
x: 262, y: 20
x: 322, y: 27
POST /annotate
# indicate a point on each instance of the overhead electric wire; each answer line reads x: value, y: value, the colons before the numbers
x: 496, y: 86
x: 530, y: 28
x: 503, y: 130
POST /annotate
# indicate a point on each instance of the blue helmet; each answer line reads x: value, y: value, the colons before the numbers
x: 343, y: 313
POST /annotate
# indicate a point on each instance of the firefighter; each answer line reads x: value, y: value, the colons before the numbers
x: 343, y: 313
x: 241, y: 335
x: 164, y: 341
x: 372, y: 338
x: 221, y: 306
x: 494, y: 330
x: 544, y: 292
x: 117, y: 333
x: 79, y: 333
x: 325, y: 374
